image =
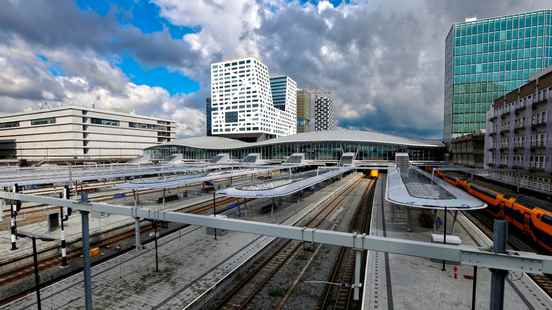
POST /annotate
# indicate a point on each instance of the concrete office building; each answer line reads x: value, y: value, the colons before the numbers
x: 305, y: 104
x: 518, y: 141
x: 81, y: 134
x: 484, y: 59
x: 242, y: 104
x: 324, y: 111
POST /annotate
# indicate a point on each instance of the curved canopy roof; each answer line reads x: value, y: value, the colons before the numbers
x: 340, y: 135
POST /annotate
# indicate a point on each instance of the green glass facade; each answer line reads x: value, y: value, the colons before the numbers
x: 484, y: 59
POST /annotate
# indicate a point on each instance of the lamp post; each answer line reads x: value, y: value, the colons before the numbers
x: 33, y: 237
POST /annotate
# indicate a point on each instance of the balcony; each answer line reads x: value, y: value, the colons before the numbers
x: 519, y: 106
x: 519, y: 145
x: 538, y: 121
x: 505, y: 111
x: 538, y: 144
x: 504, y: 129
x: 536, y: 165
x: 491, y: 115
x: 539, y: 101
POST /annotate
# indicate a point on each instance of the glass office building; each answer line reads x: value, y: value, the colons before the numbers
x: 484, y: 59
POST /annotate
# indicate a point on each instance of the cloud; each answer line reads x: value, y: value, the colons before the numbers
x: 25, y: 82
x: 383, y: 58
x: 225, y: 25
x: 36, y: 36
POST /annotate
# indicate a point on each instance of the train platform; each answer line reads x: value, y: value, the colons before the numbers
x: 191, y: 261
x: 73, y: 227
x: 403, y: 282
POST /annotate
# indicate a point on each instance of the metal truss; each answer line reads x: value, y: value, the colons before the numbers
x: 466, y: 255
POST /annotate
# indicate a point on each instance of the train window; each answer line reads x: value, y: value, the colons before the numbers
x: 518, y: 216
x: 547, y: 219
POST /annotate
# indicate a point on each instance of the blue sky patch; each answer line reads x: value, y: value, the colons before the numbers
x: 53, y: 69
x: 173, y: 81
x: 143, y: 14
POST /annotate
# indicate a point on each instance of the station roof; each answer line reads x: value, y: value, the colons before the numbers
x: 281, y: 189
x: 339, y: 135
x: 417, y: 190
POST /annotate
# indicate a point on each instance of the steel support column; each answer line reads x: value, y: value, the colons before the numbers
x: 498, y: 276
x: 357, y: 284
x: 87, y: 262
x: 36, y: 275
x: 137, y: 236
x: 444, y: 236
x: 474, y: 287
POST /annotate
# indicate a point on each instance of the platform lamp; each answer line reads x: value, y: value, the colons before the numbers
x: 34, y: 237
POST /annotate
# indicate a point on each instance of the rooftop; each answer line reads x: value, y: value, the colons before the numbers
x: 339, y: 135
x: 75, y: 107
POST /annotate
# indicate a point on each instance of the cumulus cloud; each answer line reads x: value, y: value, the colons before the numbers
x: 226, y: 26
x: 383, y: 58
x: 37, y: 36
x: 25, y: 82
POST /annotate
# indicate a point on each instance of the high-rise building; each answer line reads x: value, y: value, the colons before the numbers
x: 242, y: 105
x: 487, y: 58
x: 208, y: 127
x: 284, y: 93
x: 324, y: 110
x: 305, y: 104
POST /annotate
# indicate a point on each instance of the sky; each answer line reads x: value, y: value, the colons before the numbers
x: 383, y: 58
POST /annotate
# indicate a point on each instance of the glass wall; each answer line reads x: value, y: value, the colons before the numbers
x: 330, y: 151
x: 486, y: 59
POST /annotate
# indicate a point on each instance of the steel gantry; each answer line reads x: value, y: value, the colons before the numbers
x: 466, y: 255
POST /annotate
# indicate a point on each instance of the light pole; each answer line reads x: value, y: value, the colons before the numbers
x: 33, y: 237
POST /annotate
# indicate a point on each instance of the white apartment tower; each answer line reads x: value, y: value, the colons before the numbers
x: 242, y: 101
x: 324, y: 110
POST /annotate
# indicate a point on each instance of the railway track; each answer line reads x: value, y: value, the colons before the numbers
x: 33, y: 213
x: 340, y: 296
x: 50, y: 256
x: 485, y: 223
x: 260, y: 273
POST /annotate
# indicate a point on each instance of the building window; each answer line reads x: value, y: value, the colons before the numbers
x: 147, y: 126
x: 231, y: 117
x: 9, y: 125
x: 43, y: 121
x: 105, y: 122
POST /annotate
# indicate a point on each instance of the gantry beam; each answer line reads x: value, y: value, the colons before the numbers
x: 466, y: 255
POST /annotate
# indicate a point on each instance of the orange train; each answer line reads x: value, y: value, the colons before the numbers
x: 533, y: 221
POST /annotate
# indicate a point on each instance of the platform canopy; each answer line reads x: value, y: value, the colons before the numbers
x: 181, y: 181
x: 282, y: 189
x: 416, y: 188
